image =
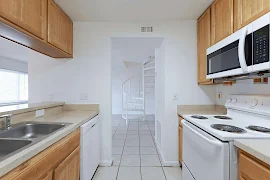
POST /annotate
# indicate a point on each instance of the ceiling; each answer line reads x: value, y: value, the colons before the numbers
x: 133, y: 49
x: 132, y: 10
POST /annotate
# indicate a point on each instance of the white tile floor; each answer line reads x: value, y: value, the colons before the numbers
x: 135, y: 154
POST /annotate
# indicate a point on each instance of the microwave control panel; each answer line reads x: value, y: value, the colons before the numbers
x: 261, y: 45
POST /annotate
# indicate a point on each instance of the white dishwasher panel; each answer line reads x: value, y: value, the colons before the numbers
x: 90, y: 148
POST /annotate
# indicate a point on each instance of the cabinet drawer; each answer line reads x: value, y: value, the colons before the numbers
x: 251, y: 169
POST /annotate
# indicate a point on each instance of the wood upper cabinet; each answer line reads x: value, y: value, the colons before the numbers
x: 69, y: 168
x: 203, y: 36
x: 221, y: 20
x: 31, y: 15
x: 60, y: 28
x: 246, y: 11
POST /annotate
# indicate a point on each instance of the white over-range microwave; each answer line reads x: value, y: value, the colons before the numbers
x: 245, y: 51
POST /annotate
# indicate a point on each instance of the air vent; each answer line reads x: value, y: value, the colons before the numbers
x: 146, y: 29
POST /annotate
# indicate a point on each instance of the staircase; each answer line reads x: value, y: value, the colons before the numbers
x: 134, y: 90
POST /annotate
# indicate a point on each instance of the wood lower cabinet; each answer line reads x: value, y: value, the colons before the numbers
x: 204, y: 42
x: 69, y: 168
x: 246, y: 11
x: 221, y: 20
x: 180, y: 139
x: 30, y: 15
x: 58, y: 162
x: 60, y: 28
x: 251, y: 168
x: 48, y: 176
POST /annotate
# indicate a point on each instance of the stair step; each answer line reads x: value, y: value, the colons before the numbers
x: 149, y: 75
x: 137, y: 98
x: 150, y: 68
x: 135, y: 110
x: 134, y: 103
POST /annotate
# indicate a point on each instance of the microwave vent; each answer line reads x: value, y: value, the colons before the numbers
x: 146, y: 29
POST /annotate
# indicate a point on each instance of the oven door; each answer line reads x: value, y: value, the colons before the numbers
x: 231, y: 56
x: 206, y: 157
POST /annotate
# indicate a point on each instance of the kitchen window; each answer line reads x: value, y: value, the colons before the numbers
x: 13, y: 87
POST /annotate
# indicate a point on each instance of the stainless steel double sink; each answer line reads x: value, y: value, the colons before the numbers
x: 24, y: 135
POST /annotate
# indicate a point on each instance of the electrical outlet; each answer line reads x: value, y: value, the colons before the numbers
x: 51, y: 97
x: 219, y: 95
x: 175, y: 96
x: 84, y: 96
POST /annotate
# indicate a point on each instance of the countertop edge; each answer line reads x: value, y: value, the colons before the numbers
x: 17, y: 159
x: 33, y: 107
x: 252, y: 151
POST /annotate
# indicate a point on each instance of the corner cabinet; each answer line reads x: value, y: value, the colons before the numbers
x: 39, y: 25
x: 246, y: 11
x: 60, y: 28
x: 221, y: 20
x: 204, y: 38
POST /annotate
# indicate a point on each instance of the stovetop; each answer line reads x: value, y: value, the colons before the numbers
x: 248, y: 116
x: 217, y: 127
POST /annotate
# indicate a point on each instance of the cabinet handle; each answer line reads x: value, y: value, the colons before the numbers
x: 93, y: 125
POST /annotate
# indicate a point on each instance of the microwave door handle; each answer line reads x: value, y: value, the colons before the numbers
x: 210, y: 141
x: 241, y: 50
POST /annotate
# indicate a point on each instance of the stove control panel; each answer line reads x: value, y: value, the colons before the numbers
x: 250, y: 103
x: 254, y: 103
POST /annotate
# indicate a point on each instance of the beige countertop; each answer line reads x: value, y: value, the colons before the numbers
x: 23, y: 108
x: 76, y: 117
x: 259, y: 148
x: 201, y: 109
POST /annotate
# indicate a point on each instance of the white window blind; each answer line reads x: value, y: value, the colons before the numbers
x: 13, y: 87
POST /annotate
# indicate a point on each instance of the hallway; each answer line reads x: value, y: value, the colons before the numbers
x: 135, y: 154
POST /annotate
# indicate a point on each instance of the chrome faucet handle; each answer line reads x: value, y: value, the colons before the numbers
x: 8, y: 120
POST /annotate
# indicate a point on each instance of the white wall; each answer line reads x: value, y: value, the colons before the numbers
x: 90, y: 72
x: 241, y: 87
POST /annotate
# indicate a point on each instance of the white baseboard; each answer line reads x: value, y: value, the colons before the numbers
x: 167, y: 163
x: 106, y: 163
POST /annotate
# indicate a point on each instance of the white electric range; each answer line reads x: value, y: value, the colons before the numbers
x: 208, y: 140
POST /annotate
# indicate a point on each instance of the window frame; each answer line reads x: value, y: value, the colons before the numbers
x: 10, y: 103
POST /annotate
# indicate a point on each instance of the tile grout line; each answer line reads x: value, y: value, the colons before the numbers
x: 162, y: 167
x: 120, y: 155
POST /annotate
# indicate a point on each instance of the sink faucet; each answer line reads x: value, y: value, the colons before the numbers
x: 8, y: 120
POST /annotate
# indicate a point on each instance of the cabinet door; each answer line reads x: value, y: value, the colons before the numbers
x: 180, y: 136
x: 47, y: 176
x: 252, y: 169
x: 69, y: 169
x: 221, y: 20
x: 60, y: 28
x: 203, y: 44
x: 30, y: 15
x: 247, y: 11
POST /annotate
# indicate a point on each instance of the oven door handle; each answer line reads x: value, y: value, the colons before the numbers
x: 241, y: 50
x: 210, y: 141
